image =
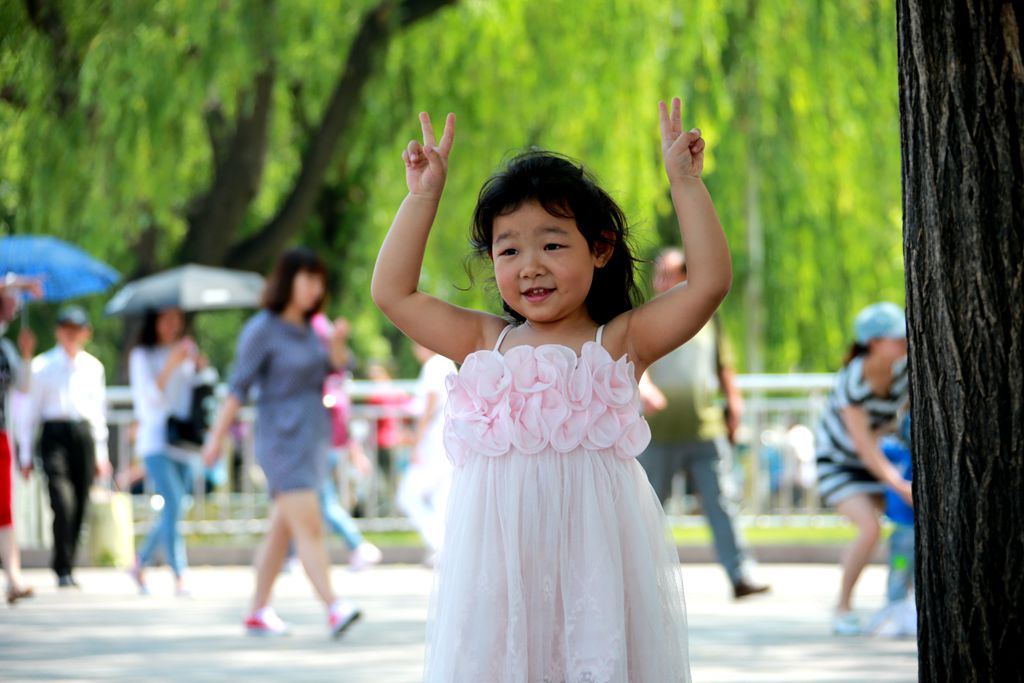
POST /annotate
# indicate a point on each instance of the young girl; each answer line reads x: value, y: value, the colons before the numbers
x: 557, y: 564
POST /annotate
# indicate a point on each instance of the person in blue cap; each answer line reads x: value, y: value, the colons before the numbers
x: 853, y: 473
x: 67, y: 399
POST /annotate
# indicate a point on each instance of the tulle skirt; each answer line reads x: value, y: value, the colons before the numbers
x: 556, y: 568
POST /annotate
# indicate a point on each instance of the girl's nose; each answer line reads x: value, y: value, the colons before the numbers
x: 531, y: 267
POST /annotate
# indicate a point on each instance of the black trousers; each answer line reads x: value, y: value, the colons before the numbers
x: 69, y: 461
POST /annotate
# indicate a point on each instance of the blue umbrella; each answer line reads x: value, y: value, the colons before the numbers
x: 65, y: 270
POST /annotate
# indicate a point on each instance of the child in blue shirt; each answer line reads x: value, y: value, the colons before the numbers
x: 899, y: 617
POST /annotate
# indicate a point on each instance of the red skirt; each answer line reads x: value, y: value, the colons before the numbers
x: 6, y: 480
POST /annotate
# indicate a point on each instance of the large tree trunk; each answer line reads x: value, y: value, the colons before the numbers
x: 961, y: 107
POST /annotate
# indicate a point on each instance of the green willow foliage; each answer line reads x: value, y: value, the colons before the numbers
x: 797, y: 101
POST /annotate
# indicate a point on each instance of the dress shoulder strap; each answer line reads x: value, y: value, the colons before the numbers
x: 501, y: 337
x: 600, y: 331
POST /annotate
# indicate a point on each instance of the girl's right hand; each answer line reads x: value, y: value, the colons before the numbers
x: 683, y: 152
x: 183, y: 349
x: 426, y: 165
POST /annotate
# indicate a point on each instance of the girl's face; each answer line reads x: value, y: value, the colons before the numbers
x: 889, y: 349
x: 307, y: 290
x: 543, y: 264
x: 170, y: 325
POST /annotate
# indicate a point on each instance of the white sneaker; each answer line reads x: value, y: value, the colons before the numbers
x: 846, y: 624
x: 340, y: 616
x: 908, y: 618
x: 265, y: 622
x: 136, y: 572
x: 365, y: 555
x: 293, y: 565
x: 896, y: 620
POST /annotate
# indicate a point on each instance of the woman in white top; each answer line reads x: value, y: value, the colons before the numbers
x: 162, y: 369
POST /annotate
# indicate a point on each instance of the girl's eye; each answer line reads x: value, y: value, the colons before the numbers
x: 552, y: 247
x: 508, y: 252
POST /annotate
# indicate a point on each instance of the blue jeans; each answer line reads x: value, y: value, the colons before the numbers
x: 707, y: 463
x: 335, y: 516
x: 170, y: 478
x: 901, y: 562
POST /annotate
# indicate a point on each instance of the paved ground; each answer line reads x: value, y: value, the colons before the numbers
x: 107, y: 632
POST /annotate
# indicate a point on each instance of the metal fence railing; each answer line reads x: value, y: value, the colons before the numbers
x: 773, y: 462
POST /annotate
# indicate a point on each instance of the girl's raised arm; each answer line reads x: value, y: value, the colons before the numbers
x: 449, y: 330
x: 667, y: 321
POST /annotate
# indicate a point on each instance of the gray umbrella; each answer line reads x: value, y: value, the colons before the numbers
x: 190, y: 288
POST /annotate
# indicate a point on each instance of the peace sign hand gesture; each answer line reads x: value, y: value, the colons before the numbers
x: 683, y: 152
x: 426, y: 165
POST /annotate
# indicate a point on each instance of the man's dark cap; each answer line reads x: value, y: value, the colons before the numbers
x: 73, y: 315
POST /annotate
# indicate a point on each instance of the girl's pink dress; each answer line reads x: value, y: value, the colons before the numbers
x: 558, y: 565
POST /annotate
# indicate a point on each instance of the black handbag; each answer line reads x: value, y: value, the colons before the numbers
x: 190, y: 431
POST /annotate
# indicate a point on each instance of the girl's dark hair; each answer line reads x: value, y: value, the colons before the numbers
x: 856, y: 349
x: 565, y: 190
x: 148, y: 336
x: 278, y: 291
x: 147, y: 333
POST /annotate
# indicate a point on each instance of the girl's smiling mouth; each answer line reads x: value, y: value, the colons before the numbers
x: 537, y: 294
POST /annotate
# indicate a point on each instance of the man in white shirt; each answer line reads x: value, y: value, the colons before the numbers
x: 68, y: 400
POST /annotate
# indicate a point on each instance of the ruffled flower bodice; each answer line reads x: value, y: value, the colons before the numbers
x: 544, y: 399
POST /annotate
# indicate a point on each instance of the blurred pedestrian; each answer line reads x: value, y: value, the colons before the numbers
x: 68, y: 398
x: 14, y: 374
x: 393, y: 404
x: 691, y: 434
x: 280, y: 354
x: 423, y: 492
x: 853, y: 473
x: 362, y: 553
x: 162, y: 369
x: 802, y: 473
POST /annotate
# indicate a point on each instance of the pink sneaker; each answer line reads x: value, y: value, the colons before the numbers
x: 365, y: 555
x: 265, y: 622
x: 342, y: 615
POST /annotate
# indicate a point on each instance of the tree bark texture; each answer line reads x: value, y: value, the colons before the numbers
x: 961, y: 80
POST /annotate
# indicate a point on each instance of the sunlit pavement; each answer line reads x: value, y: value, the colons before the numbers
x: 105, y: 631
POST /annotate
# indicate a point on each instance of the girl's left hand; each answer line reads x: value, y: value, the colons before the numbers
x: 683, y: 153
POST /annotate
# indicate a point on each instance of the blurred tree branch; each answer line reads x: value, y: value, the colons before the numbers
x: 12, y: 96
x: 373, y: 37
x: 46, y: 18
x: 215, y: 216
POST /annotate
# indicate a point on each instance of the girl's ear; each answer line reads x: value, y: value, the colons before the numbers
x: 604, y: 248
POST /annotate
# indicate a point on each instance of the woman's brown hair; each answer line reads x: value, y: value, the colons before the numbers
x: 278, y: 291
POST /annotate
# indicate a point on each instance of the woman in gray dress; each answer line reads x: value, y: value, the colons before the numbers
x: 281, y: 357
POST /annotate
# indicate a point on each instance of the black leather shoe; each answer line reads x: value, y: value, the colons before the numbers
x: 744, y: 587
x: 66, y: 581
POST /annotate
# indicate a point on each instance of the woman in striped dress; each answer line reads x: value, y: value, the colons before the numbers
x: 853, y: 473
